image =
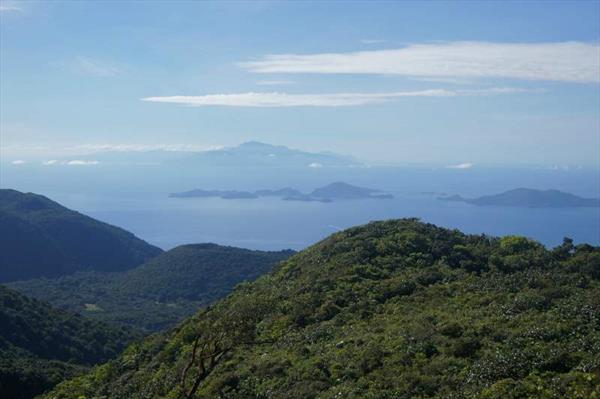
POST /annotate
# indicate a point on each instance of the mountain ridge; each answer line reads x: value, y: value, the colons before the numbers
x: 160, y: 292
x: 65, y: 240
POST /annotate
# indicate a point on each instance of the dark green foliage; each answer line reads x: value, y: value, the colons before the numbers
x: 40, y: 238
x: 41, y: 346
x: 159, y: 293
x: 397, y: 310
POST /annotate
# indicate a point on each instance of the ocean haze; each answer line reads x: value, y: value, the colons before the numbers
x: 133, y: 192
x: 136, y: 198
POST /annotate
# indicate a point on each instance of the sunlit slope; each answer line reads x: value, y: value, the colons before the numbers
x: 396, y: 309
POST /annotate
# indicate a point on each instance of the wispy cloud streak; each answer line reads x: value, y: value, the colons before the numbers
x: 74, y: 162
x: 562, y: 61
x: 319, y: 100
x: 466, y: 165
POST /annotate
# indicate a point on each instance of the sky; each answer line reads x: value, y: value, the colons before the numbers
x: 461, y: 83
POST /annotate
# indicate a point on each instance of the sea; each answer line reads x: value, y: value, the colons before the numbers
x: 145, y: 208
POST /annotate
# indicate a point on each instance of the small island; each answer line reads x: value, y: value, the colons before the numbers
x: 341, y: 190
x: 328, y: 193
x: 529, y: 198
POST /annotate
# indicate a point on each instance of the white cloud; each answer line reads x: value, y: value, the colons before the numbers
x: 81, y: 162
x: 95, y: 68
x: 315, y: 165
x: 18, y: 162
x: 466, y: 165
x: 319, y: 100
x: 562, y: 61
x: 74, y: 162
x: 275, y: 82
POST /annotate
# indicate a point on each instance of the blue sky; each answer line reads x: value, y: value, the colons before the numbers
x: 423, y: 82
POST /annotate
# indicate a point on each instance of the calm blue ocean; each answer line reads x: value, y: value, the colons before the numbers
x: 138, y: 201
x: 269, y: 223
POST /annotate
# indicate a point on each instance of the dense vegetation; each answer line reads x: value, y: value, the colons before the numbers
x: 159, y: 293
x: 41, y: 346
x: 396, y: 309
x: 39, y: 237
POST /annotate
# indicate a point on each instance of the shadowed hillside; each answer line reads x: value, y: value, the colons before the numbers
x: 41, y: 346
x: 159, y: 293
x: 40, y: 238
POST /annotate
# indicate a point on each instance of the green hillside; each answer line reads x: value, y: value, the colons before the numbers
x: 396, y: 309
x: 159, y: 293
x: 40, y: 238
x: 41, y: 346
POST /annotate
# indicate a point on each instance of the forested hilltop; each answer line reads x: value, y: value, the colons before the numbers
x: 395, y: 309
x: 162, y: 291
x: 41, y: 238
x: 41, y: 346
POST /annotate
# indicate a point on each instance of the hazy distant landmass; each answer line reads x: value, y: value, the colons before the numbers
x: 341, y: 190
x: 257, y: 154
x: 527, y: 197
x: 328, y: 193
x: 251, y: 154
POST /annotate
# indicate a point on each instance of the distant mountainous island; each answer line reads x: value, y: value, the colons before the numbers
x: 255, y: 153
x: 41, y: 238
x: 246, y: 155
x: 529, y: 198
x: 328, y: 193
